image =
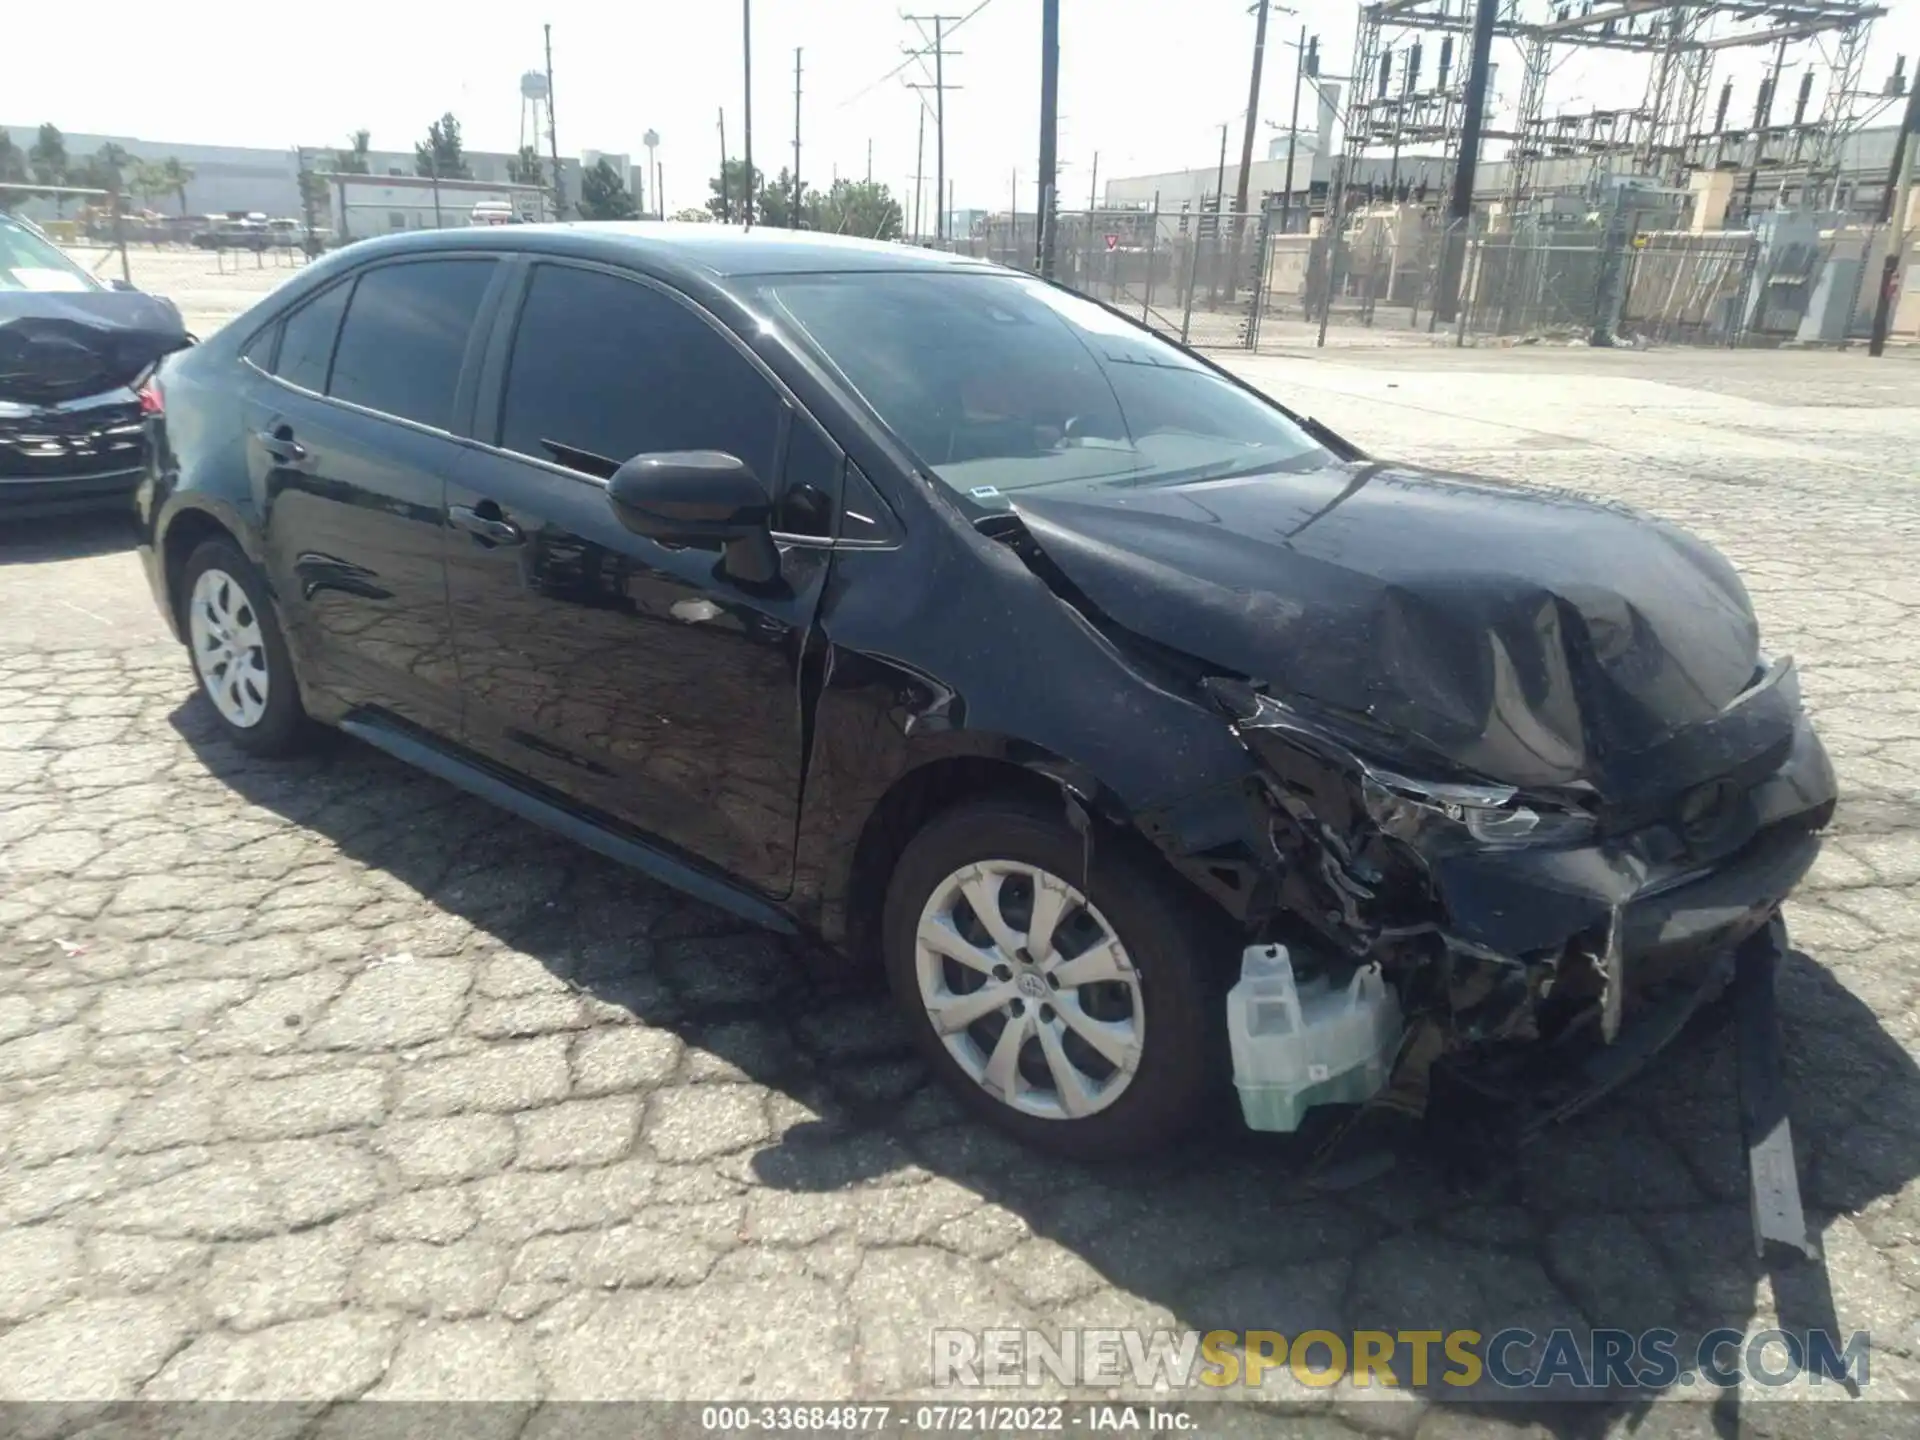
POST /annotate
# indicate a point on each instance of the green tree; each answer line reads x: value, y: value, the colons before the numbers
x: 525, y: 168
x: 48, y: 157
x: 728, y: 202
x: 603, y: 196
x: 776, y: 203
x: 112, y: 167
x: 13, y: 171
x: 314, y: 198
x: 440, y: 153
x: 147, y: 179
x: 855, y: 207
x: 353, y: 160
x: 175, y: 178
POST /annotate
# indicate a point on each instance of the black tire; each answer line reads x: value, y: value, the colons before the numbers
x: 1181, y: 1069
x: 283, y: 727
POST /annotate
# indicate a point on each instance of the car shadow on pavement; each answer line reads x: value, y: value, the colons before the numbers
x: 77, y: 537
x: 1634, y: 1216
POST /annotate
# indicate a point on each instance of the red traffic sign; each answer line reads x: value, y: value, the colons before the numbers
x: 1113, y: 241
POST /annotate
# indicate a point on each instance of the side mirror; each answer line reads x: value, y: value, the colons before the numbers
x: 705, y: 500
x: 700, y: 498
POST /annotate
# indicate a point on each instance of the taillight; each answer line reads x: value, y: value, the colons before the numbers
x: 150, y: 402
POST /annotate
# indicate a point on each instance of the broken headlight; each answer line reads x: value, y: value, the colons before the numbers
x: 1496, y: 816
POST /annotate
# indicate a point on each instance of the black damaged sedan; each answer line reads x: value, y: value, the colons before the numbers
x: 917, y: 605
x: 74, y: 353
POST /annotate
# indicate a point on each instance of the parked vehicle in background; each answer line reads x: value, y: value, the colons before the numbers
x: 928, y: 608
x: 74, y: 354
x: 236, y: 233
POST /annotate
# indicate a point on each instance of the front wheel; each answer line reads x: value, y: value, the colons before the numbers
x: 1059, y: 987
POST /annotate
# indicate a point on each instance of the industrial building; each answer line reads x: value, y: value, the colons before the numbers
x: 240, y: 179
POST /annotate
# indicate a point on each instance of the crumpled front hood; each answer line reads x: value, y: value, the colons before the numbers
x: 57, y: 346
x: 1528, y: 636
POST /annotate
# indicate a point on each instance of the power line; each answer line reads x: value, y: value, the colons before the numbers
x: 865, y: 91
x: 940, y: 88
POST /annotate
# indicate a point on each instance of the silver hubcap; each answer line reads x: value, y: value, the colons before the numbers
x: 1030, y: 990
x: 228, y: 649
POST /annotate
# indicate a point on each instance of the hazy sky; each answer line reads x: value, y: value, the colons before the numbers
x: 1146, y: 83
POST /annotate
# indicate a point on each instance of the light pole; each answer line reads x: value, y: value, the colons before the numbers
x: 651, y: 140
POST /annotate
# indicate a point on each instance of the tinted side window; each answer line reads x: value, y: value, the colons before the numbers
x: 863, y: 514
x: 260, y: 348
x: 810, y: 486
x: 306, y: 339
x: 405, y: 335
x: 616, y: 369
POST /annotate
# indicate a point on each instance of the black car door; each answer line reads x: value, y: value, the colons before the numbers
x: 633, y: 676
x: 350, y: 450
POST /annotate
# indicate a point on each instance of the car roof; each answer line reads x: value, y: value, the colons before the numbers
x: 720, y: 251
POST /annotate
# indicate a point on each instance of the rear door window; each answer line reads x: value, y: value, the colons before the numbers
x: 405, y: 336
x: 307, y: 336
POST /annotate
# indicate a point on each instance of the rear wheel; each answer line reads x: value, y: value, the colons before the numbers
x: 1068, y: 1007
x: 239, y: 655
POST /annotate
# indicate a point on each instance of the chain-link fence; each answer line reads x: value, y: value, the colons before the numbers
x: 1193, y: 276
x: 1783, y: 282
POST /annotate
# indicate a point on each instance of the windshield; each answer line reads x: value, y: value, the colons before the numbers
x: 29, y: 263
x: 999, y: 383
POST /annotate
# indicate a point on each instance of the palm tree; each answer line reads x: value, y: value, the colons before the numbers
x: 48, y: 158
x: 148, y: 179
x: 354, y: 161
x: 175, y: 176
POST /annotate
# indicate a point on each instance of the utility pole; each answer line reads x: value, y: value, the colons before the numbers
x: 1460, y: 202
x: 1894, y: 205
x: 939, y: 116
x: 1093, y: 185
x: 1049, y: 131
x: 746, y: 58
x: 1220, y: 181
x: 553, y: 136
x: 1301, y: 61
x: 939, y: 88
x: 1253, y: 106
x: 726, y: 201
x: 794, y: 220
x: 870, y: 157
x: 919, y: 172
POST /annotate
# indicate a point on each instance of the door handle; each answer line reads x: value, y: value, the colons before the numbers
x: 488, y: 528
x: 281, y: 445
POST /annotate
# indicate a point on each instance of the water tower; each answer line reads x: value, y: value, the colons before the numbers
x: 536, y: 110
x: 536, y: 129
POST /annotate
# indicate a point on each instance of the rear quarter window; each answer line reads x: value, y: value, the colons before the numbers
x: 405, y: 337
x: 307, y: 338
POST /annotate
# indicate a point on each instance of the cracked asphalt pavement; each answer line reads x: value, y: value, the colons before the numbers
x: 320, y: 1080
